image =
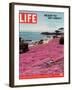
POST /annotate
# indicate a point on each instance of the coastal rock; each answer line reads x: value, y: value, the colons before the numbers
x: 52, y: 33
x: 40, y: 42
x: 23, y: 47
x: 61, y: 41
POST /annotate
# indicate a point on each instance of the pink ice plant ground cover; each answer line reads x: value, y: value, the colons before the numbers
x: 41, y: 61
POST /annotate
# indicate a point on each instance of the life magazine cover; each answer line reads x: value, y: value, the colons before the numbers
x: 41, y: 44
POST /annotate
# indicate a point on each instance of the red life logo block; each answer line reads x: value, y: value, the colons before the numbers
x: 30, y: 18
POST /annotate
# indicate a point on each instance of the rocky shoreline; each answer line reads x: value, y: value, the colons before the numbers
x: 24, y: 45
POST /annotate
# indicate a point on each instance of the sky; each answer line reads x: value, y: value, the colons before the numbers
x: 46, y: 22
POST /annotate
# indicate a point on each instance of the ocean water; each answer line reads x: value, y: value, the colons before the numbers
x: 34, y: 36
